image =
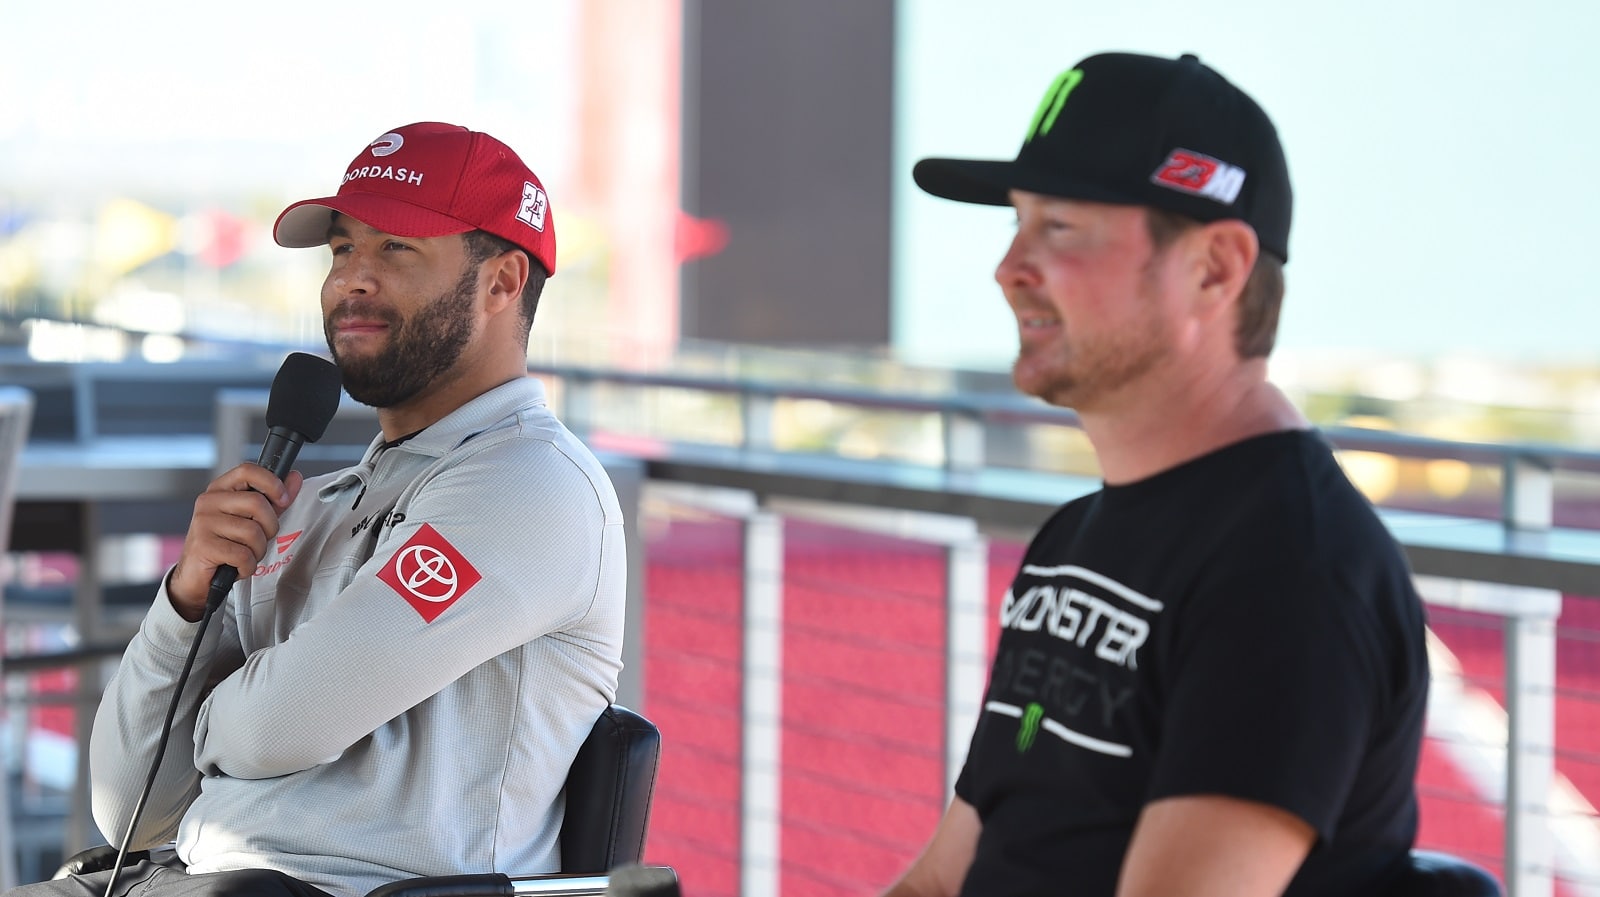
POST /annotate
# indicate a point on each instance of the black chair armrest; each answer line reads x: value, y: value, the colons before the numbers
x: 639, y: 881
x: 555, y: 884
x: 487, y: 884
x: 96, y: 859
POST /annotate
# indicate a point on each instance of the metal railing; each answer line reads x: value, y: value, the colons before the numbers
x: 1512, y: 562
x: 1516, y: 568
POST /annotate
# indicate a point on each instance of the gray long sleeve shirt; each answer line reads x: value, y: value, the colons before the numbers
x: 401, y: 685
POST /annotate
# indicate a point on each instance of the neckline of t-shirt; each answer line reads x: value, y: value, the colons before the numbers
x: 1193, y: 466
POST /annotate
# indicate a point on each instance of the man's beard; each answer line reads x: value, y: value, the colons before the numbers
x: 1084, y: 376
x: 420, y: 350
x: 1090, y: 374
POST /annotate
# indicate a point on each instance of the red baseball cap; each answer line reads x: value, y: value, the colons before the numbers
x: 431, y: 179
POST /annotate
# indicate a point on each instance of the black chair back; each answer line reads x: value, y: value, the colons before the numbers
x: 609, y: 789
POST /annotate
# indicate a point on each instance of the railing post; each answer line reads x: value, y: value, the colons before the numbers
x: 963, y: 440
x: 762, y: 713
x: 628, y: 478
x: 755, y: 420
x: 1529, y: 493
x: 1530, y: 747
x: 966, y: 582
x: 1529, y: 512
x: 86, y: 616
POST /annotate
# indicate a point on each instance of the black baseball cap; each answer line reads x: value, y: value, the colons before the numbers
x: 1126, y: 128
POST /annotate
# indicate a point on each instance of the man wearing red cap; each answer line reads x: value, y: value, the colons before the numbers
x: 1211, y: 675
x: 428, y: 636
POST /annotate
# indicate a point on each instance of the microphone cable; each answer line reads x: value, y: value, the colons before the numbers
x: 214, y: 600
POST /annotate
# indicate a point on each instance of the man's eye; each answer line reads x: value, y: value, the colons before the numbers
x: 339, y: 248
x: 395, y: 244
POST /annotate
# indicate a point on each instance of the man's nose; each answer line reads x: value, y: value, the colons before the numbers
x: 1015, y: 268
x: 353, y: 276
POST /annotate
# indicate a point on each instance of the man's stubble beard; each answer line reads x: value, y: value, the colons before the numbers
x: 419, y: 351
x: 1090, y: 374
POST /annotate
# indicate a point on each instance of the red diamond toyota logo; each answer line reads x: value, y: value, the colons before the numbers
x: 429, y: 573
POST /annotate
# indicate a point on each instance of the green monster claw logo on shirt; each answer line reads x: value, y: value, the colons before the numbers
x: 1044, y: 118
x: 1031, y: 716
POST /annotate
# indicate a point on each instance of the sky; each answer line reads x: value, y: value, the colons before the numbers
x: 199, y: 98
x: 1439, y: 153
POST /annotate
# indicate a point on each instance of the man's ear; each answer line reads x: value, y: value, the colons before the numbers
x: 508, y: 274
x: 1228, y: 253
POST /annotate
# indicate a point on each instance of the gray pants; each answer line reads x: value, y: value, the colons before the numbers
x: 157, y: 879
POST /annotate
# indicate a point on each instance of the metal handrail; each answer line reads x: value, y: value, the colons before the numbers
x: 1526, y: 560
x: 1014, y: 409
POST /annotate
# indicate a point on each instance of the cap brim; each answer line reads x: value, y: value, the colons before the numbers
x: 306, y: 222
x: 989, y: 182
x: 965, y: 180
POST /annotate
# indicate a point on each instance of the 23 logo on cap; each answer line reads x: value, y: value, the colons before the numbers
x: 533, y: 207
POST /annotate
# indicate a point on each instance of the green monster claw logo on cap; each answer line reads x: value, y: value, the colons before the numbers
x: 1044, y: 118
x: 1031, y: 716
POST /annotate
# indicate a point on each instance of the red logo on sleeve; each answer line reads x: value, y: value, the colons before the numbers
x: 429, y: 573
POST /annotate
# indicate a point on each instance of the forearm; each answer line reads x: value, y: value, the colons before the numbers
x: 368, y: 657
x: 129, y: 725
x: 908, y: 887
x: 941, y: 868
x: 364, y: 648
x: 303, y: 702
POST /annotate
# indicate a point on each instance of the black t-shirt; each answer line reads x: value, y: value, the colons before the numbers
x: 1240, y: 625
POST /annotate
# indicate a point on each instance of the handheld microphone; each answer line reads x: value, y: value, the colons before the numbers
x: 304, y: 397
x: 643, y: 881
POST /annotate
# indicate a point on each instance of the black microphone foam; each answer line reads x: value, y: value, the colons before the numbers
x: 304, y: 398
x: 305, y: 395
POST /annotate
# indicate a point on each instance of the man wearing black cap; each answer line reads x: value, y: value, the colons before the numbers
x: 418, y: 644
x: 1211, y: 674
